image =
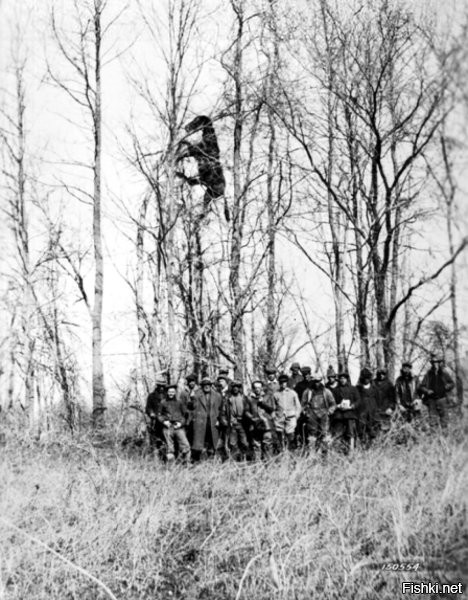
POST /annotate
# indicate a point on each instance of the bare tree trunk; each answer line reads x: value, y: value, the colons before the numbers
x: 270, y: 333
x: 98, y: 389
x: 450, y: 200
x: 238, y: 202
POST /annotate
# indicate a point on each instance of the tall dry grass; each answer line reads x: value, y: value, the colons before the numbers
x: 297, y: 528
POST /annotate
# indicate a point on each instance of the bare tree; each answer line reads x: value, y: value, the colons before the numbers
x: 84, y: 58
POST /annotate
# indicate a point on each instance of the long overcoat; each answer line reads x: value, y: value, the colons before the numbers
x: 200, y: 416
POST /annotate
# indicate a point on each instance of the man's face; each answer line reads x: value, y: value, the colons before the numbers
x: 171, y: 393
x: 342, y: 381
x: 191, y: 383
x: 257, y: 388
x: 222, y: 382
x: 283, y: 384
x: 436, y: 364
x: 406, y: 371
x: 294, y: 371
x: 331, y: 379
x: 381, y: 376
x: 235, y: 390
x: 206, y: 387
x: 308, y: 377
x: 271, y: 376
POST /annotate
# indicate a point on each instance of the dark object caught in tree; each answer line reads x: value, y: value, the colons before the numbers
x: 206, y: 153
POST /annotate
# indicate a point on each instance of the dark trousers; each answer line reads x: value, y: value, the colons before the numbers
x: 438, y: 412
x: 238, y: 444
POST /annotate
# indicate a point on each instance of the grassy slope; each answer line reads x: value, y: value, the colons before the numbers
x: 297, y: 528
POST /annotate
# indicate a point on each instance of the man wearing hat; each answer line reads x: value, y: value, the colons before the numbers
x: 172, y: 415
x: 271, y: 384
x: 223, y: 383
x: 304, y: 383
x: 344, y: 419
x: 332, y: 382
x: 296, y: 375
x: 407, y: 396
x: 206, y: 409
x: 287, y: 411
x: 435, y: 389
x: 234, y: 414
x: 153, y: 401
x: 318, y: 404
x: 386, y: 400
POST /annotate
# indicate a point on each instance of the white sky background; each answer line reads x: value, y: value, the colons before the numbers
x: 54, y: 130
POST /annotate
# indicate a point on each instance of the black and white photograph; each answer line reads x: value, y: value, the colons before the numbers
x: 233, y: 299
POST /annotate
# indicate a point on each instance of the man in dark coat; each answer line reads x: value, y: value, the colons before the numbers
x: 344, y: 419
x: 407, y: 395
x: 296, y: 375
x: 153, y: 401
x: 172, y: 415
x: 386, y: 400
x: 435, y: 388
x: 233, y: 412
x: 332, y: 381
x: 260, y: 417
x: 206, y: 414
x: 367, y: 409
x: 304, y: 383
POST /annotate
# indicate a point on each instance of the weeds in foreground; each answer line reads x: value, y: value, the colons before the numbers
x: 79, y: 522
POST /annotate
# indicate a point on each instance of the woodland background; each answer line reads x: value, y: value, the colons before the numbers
x: 342, y: 129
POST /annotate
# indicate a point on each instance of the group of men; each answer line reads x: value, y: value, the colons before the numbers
x: 288, y: 411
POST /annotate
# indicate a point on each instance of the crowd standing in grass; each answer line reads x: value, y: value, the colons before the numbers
x: 295, y: 411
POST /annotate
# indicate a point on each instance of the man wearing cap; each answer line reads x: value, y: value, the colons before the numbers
x: 234, y: 413
x: 407, y: 395
x: 206, y: 408
x: 153, y: 401
x: 287, y: 411
x: 435, y: 388
x: 303, y: 385
x: 296, y: 375
x: 367, y: 409
x: 344, y: 419
x: 386, y: 400
x: 318, y: 404
x: 172, y: 415
x: 271, y: 384
x: 260, y: 412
